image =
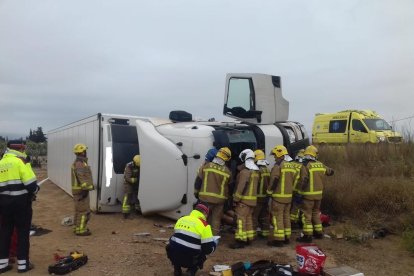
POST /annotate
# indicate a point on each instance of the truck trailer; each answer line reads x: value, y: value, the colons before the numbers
x: 173, y: 149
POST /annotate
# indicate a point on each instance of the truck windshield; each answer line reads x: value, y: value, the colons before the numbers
x: 377, y: 124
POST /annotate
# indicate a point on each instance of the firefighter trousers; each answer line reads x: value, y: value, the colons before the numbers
x: 82, y: 212
x: 280, y: 213
x: 244, y: 231
x: 16, y: 213
x: 311, y: 218
x: 214, y: 219
x: 130, y: 198
x: 261, y: 218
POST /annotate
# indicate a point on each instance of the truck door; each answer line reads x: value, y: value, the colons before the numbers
x: 120, y: 144
x: 163, y: 179
x: 358, y: 132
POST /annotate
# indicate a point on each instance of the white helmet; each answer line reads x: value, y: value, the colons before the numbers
x: 246, y: 154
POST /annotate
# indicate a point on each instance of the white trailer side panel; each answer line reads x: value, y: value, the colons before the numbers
x: 60, y: 154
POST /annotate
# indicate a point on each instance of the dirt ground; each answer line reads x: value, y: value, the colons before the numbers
x: 113, y: 249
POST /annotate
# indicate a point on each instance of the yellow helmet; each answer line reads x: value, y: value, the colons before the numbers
x: 137, y: 160
x: 224, y: 153
x: 79, y: 148
x: 311, y: 150
x: 279, y: 151
x: 300, y: 154
x: 259, y: 155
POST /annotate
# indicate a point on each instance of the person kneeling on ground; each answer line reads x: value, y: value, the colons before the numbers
x: 191, y: 242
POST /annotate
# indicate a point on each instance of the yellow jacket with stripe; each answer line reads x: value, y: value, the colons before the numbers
x: 282, y: 178
x: 81, y: 175
x: 262, y: 186
x: 246, y: 189
x: 193, y: 235
x: 16, y: 177
x: 212, y: 183
x: 312, y: 179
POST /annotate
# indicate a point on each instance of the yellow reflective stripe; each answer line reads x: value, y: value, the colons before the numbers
x: 223, y: 182
x: 262, y: 193
x: 213, y: 195
x: 253, y: 175
x: 217, y: 171
x: 281, y: 195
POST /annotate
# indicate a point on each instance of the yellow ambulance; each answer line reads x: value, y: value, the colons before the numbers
x: 352, y: 126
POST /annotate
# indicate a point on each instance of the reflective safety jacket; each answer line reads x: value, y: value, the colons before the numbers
x: 282, y: 178
x: 16, y: 177
x: 264, y: 180
x: 131, y: 173
x: 312, y: 179
x: 81, y: 175
x: 192, y: 235
x: 246, y: 186
x: 212, y: 182
x: 298, y: 166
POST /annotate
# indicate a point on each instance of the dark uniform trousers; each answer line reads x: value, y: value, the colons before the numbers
x: 16, y: 212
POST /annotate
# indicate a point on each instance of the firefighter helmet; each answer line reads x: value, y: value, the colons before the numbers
x: 224, y: 154
x: 79, y: 148
x: 137, y: 160
x: 246, y: 154
x: 311, y: 150
x: 279, y: 151
x: 202, y: 207
x: 259, y: 155
x: 300, y: 155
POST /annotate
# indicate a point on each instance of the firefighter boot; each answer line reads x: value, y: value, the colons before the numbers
x: 126, y: 215
x: 87, y: 232
x: 305, y: 239
x: 287, y: 240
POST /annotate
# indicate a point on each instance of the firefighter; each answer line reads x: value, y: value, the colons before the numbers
x: 212, y: 182
x: 261, y: 211
x: 211, y: 153
x: 18, y: 187
x: 81, y: 185
x: 312, y: 179
x: 296, y: 199
x: 244, y: 199
x: 192, y: 241
x: 282, y: 177
x: 131, y: 186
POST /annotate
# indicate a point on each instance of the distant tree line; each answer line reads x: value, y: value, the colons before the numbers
x: 36, y: 145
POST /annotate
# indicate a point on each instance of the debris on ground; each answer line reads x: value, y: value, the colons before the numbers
x: 38, y: 231
x: 66, y: 264
x: 67, y: 221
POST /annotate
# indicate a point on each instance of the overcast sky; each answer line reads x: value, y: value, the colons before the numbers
x: 61, y: 61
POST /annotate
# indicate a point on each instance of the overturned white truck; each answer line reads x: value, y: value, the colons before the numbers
x: 173, y: 149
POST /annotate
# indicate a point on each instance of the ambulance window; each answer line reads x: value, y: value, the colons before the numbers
x: 358, y: 126
x: 337, y: 126
x: 240, y: 97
